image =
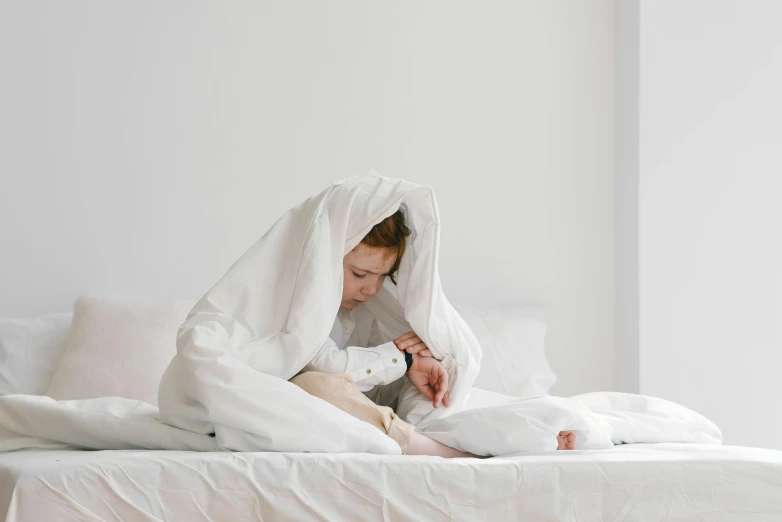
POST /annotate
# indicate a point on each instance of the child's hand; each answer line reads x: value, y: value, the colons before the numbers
x: 431, y: 379
x: 411, y: 343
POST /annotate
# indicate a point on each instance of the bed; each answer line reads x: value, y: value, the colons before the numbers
x: 639, y: 482
x: 628, y: 482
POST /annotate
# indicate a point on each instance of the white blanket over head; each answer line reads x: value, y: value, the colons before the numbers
x: 273, y: 310
x: 269, y: 315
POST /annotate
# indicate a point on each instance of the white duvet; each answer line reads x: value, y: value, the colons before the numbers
x: 227, y: 388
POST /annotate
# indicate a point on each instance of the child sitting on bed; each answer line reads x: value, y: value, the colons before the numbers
x: 341, y: 373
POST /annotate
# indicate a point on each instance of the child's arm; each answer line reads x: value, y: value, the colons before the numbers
x: 367, y: 367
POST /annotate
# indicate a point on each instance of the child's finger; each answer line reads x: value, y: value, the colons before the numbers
x: 412, y: 341
x: 442, y: 387
x: 416, y: 348
x: 435, y: 399
x: 443, y: 379
x: 438, y: 397
x: 427, y: 392
x: 404, y: 336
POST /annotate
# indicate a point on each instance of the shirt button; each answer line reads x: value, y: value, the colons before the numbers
x: 369, y: 371
x: 393, y: 361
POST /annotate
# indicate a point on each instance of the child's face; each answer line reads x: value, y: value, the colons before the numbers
x: 365, y: 268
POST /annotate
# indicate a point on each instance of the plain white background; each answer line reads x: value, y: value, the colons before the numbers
x: 145, y: 147
x: 626, y: 193
x: 710, y: 213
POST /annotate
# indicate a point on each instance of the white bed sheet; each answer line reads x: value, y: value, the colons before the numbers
x: 660, y: 482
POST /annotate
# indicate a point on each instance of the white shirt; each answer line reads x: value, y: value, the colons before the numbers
x: 368, y: 367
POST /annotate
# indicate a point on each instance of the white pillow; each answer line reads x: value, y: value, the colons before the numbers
x: 117, y: 348
x: 514, y: 351
x: 30, y: 349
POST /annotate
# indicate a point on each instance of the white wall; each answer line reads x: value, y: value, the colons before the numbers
x: 144, y: 147
x: 626, y: 197
x: 710, y: 216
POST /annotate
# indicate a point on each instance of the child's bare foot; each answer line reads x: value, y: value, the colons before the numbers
x: 566, y: 440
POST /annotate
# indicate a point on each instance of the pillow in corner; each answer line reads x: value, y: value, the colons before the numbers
x: 30, y: 349
x: 514, y: 352
x: 117, y: 348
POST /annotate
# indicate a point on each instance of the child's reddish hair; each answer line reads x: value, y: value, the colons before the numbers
x: 391, y: 233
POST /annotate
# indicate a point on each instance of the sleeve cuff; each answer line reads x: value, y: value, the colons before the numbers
x: 394, y: 360
x: 389, y: 366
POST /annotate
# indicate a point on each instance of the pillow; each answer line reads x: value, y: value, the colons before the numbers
x: 514, y: 352
x: 117, y: 348
x: 30, y: 349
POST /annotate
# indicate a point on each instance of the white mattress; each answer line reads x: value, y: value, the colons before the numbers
x: 661, y: 482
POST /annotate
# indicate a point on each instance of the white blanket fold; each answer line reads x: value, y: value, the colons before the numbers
x: 268, y: 316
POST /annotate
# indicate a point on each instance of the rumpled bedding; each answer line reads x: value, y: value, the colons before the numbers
x: 630, y: 482
x: 227, y: 388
